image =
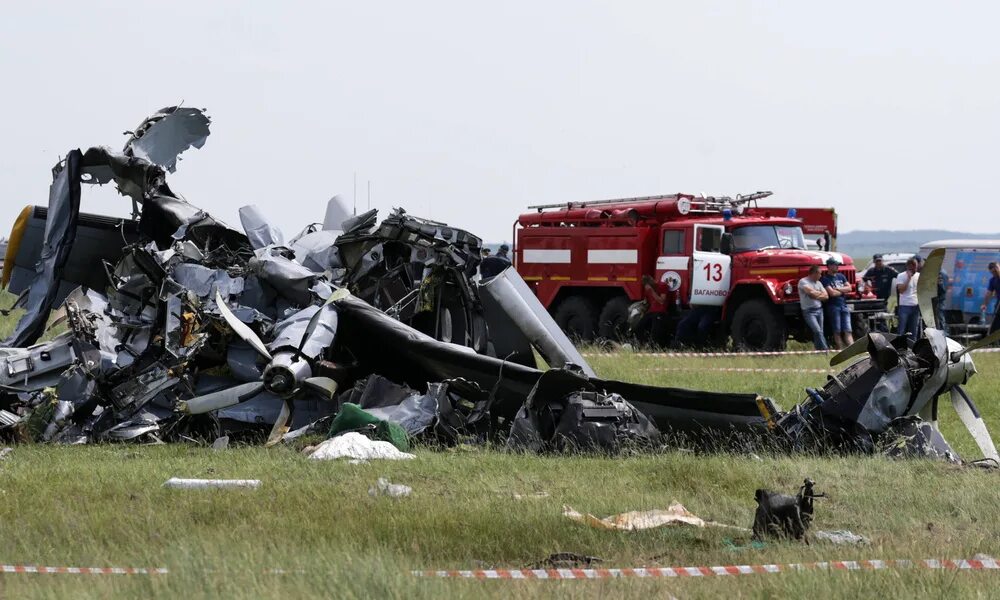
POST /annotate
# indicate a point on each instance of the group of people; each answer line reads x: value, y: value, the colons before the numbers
x: 823, y: 299
x: 494, y: 264
x: 905, y: 284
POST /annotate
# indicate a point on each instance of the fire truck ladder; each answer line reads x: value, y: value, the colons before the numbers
x: 699, y: 204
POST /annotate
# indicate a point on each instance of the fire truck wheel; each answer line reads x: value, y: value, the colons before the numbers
x: 613, y: 322
x: 757, y: 327
x: 576, y: 316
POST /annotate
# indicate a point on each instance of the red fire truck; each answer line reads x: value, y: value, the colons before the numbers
x: 586, y: 261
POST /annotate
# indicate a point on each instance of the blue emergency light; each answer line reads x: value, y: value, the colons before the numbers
x: 727, y: 214
x: 791, y: 213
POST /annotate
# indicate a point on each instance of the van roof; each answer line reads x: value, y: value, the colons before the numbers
x: 984, y: 244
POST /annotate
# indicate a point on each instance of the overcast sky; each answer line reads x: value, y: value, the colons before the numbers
x: 467, y: 112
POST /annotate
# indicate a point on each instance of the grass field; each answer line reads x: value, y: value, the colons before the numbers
x: 105, y: 506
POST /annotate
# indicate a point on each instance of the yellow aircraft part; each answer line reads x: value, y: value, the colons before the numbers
x: 14, y: 243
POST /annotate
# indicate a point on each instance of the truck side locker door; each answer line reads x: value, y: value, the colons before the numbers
x: 711, y: 270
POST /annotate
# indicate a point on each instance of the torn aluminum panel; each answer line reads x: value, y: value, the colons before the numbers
x: 37, y: 367
x: 290, y: 280
x: 336, y: 214
x: 522, y: 306
x: 242, y: 361
x: 204, y: 282
x: 259, y: 231
x: 57, y: 243
x: 295, y: 333
x: 163, y: 136
x: 317, y: 251
x: 911, y: 437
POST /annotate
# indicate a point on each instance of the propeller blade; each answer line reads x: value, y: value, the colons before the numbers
x: 858, y: 347
x: 929, y: 412
x: 310, y: 329
x: 323, y: 385
x: 240, y: 328
x: 985, y: 341
x: 280, y: 424
x: 973, y: 421
x: 338, y: 294
x: 221, y: 399
x: 927, y: 285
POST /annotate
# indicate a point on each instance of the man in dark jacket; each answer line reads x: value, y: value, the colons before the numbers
x: 880, y: 278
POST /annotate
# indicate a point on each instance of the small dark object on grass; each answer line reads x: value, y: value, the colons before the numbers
x: 567, y: 560
x: 784, y: 516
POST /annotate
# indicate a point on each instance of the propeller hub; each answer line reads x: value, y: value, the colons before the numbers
x: 285, y: 375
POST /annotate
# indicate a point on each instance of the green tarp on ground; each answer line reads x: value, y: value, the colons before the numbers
x: 354, y: 418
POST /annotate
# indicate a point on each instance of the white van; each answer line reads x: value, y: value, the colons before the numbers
x: 965, y: 277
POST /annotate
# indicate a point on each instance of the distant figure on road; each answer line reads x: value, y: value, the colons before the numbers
x: 880, y: 278
x: 835, y: 307
x: 494, y: 265
x: 993, y: 291
x: 812, y: 294
x: 909, y: 308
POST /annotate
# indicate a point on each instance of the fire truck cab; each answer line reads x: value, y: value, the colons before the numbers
x: 586, y: 262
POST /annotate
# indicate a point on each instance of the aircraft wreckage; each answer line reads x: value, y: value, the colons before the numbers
x: 179, y: 327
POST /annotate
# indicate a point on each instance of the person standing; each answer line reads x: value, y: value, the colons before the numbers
x: 909, y: 308
x: 651, y: 326
x: 993, y: 291
x: 835, y: 308
x: 880, y: 278
x: 494, y: 265
x: 812, y: 294
x: 938, y: 301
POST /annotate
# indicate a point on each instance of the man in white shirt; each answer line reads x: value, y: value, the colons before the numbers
x: 909, y: 308
x: 812, y: 294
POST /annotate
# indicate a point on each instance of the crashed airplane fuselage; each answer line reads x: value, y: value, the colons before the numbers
x: 191, y: 329
x: 192, y: 326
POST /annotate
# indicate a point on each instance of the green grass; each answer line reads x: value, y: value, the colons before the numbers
x: 105, y: 506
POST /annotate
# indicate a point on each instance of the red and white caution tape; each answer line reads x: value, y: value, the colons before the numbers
x: 986, y: 564
x: 725, y: 354
x: 737, y: 370
x: 702, y: 354
x: 82, y: 570
x: 978, y: 564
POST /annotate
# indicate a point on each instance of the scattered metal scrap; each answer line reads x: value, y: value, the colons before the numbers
x: 179, y: 327
x: 784, y: 516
